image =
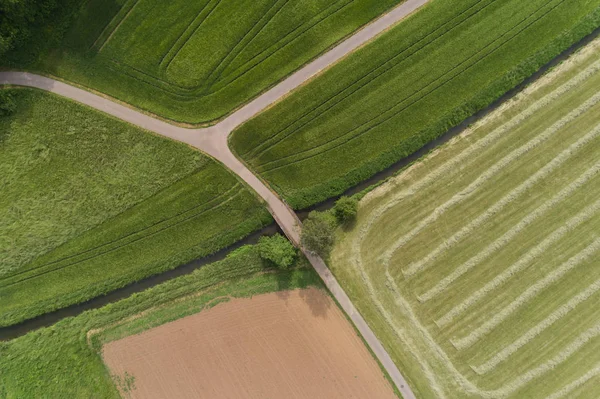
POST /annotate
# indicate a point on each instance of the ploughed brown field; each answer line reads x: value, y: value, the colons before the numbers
x: 291, y: 344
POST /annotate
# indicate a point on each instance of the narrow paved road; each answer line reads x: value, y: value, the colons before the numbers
x: 213, y: 141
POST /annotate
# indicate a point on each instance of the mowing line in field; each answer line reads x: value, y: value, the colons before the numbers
x: 514, y: 231
x: 555, y: 316
x: 512, y: 386
x: 357, y: 85
x: 529, y: 294
x: 246, y: 39
x: 266, y: 53
x: 576, y: 384
x: 120, y: 12
x: 356, y: 261
x: 448, y: 168
x: 406, y: 308
x: 188, y: 33
x: 392, y: 111
x: 117, y: 27
x: 522, y: 263
x: 474, y: 187
x: 109, y: 250
x: 464, y: 157
x: 563, y: 356
x: 137, y: 232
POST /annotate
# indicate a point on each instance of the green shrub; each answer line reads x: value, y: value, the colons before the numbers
x: 278, y: 251
x: 345, y: 209
x: 318, y: 233
x: 7, y: 103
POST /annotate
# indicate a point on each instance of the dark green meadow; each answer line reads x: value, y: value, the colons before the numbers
x: 90, y: 204
x: 387, y: 100
x: 64, y: 361
x: 191, y: 61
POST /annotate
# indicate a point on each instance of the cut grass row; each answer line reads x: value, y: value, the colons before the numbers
x: 478, y: 266
x: 193, y: 61
x: 104, y: 205
x: 403, y: 90
x: 64, y: 360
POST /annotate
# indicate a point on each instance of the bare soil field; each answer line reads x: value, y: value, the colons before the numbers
x: 291, y: 344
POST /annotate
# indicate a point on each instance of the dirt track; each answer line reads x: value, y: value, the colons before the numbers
x: 294, y: 344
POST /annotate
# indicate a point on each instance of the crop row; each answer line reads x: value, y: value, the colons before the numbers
x: 523, y: 262
x: 216, y: 80
x: 528, y: 295
x: 368, y: 110
x: 509, y: 235
x: 396, y: 59
x: 498, y: 167
x: 391, y: 111
x: 118, y: 243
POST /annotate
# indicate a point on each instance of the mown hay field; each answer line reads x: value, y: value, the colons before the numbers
x: 65, y: 360
x: 195, y: 61
x: 90, y: 204
x: 479, y: 266
x: 390, y: 98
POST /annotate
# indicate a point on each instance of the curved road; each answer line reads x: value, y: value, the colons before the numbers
x: 213, y: 141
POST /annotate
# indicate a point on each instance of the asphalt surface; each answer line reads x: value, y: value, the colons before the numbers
x: 213, y: 141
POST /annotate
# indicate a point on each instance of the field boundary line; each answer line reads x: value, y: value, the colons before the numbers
x: 531, y: 293
x: 187, y: 28
x: 112, y: 33
x: 187, y: 33
x: 107, y: 26
x: 541, y: 174
x: 245, y: 40
x: 240, y: 71
x: 522, y: 263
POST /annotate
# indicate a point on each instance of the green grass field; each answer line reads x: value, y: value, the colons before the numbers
x: 478, y: 266
x: 63, y: 361
x: 406, y: 88
x: 90, y: 204
x: 195, y: 61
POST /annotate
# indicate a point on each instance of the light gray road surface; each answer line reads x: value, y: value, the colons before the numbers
x: 213, y: 141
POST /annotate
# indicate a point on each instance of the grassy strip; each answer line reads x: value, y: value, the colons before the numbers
x: 91, y: 204
x: 59, y: 362
x: 403, y: 90
x: 191, y: 61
